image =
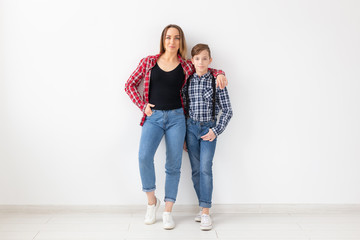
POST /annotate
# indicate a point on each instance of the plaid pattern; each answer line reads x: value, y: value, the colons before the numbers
x: 142, y: 73
x: 200, y: 101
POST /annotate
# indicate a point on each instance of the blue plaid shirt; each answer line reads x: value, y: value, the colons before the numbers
x: 200, y: 101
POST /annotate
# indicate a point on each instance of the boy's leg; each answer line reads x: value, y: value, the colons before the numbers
x: 207, y: 150
x: 193, y: 146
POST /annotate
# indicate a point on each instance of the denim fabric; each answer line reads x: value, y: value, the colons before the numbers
x: 201, y: 155
x: 172, y: 124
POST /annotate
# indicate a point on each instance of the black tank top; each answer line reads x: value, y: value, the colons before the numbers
x: 165, y: 88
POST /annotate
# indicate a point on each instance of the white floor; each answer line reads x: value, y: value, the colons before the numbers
x: 288, y: 222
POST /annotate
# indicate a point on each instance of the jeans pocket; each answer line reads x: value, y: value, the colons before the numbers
x: 153, y: 112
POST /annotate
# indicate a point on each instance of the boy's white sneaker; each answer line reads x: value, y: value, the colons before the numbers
x: 168, y: 222
x: 150, y: 216
x: 206, y: 223
x: 198, y: 217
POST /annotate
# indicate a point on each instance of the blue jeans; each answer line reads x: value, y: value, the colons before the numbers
x: 201, y: 154
x: 172, y: 124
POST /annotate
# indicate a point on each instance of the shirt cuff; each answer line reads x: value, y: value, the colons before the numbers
x: 215, y: 132
x: 143, y: 107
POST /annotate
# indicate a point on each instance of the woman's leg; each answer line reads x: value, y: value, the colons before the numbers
x: 174, y: 138
x: 151, y: 198
x: 205, y: 211
x: 175, y: 128
x: 168, y: 206
x: 150, y: 138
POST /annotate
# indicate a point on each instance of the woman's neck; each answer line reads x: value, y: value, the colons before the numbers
x: 169, y: 57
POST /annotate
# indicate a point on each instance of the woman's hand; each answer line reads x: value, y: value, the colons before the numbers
x: 210, y: 136
x: 221, y: 81
x: 148, y: 110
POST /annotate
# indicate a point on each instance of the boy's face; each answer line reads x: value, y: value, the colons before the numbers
x: 201, y: 62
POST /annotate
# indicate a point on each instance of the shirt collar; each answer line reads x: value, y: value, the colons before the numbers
x: 206, y: 75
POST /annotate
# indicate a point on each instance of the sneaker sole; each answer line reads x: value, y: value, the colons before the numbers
x: 206, y: 228
x: 150, y: 223
x: 169, y: 228
x: 197, y: 219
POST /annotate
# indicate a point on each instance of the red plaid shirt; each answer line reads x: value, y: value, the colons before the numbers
x: 142, y: 72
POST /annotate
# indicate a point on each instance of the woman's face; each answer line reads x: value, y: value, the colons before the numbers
x: 172, y: 40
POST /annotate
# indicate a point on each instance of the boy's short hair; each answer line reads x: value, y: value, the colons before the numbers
x: 198, y: 48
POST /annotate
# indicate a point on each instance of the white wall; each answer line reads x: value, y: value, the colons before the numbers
x: 69, y: 134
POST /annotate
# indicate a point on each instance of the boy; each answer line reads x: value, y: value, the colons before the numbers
x: 203, y: 105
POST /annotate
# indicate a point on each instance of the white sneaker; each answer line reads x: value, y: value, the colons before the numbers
x: 168, y: 222
x: 150, y: 216
x: 206, y: 223
x: 198, y: 217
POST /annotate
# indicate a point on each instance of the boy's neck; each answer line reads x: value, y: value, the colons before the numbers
x: 201, y: 73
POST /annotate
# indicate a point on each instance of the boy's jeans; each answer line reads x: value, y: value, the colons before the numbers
x: 201, y: 155
x: 172, y: 124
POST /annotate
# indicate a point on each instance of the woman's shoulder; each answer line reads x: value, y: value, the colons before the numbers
x: 187, y: 65
x: 151, y: 58
x: 186, y: 62
x: 148, y: 62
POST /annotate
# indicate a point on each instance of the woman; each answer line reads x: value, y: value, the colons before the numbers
x: 162, y: 105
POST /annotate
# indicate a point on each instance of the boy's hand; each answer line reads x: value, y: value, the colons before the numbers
x: 210, y: 136
x: 148, y: 110
x: 184, y: 147
x: 221, y: 81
